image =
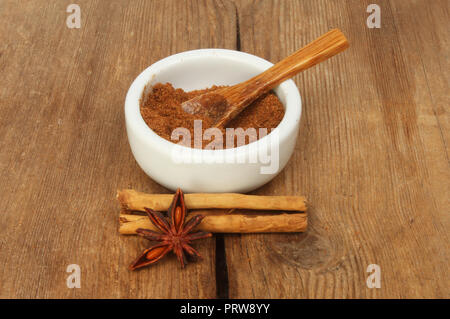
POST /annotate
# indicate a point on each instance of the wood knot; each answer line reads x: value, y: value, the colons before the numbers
x: 307, y: 250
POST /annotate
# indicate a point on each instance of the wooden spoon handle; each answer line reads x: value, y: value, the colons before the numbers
x: 324, y: 47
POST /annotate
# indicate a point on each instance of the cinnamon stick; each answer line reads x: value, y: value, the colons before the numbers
x: 132, y: 200
x: 221, y: 222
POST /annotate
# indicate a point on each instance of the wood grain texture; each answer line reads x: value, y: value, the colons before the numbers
x: 64, y: 150
x: 372, y: 154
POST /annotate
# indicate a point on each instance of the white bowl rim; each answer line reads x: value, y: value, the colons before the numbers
x: 293, y: 107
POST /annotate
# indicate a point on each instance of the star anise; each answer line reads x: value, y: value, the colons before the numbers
x: 176, y: 234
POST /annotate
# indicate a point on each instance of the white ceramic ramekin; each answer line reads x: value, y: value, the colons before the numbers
x: 227, y: 170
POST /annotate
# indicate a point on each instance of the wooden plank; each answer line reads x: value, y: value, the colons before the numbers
x: 63, y: 146
x: 371, y: 155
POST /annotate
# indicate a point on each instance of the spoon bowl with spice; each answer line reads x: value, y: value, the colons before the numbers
x: 170, y: 147
x: 224, y: 104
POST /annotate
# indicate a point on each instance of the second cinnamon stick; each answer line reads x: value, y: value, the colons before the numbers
x: 236, y: 222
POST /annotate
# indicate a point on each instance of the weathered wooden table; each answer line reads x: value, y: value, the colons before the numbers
x: 372, y: 154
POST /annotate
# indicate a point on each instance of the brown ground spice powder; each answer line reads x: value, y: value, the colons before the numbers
x: 161, y: 110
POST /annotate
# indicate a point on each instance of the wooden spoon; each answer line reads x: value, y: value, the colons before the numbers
x: 224, y: 104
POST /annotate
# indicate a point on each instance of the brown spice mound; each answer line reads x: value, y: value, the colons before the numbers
x: 161, y: 110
